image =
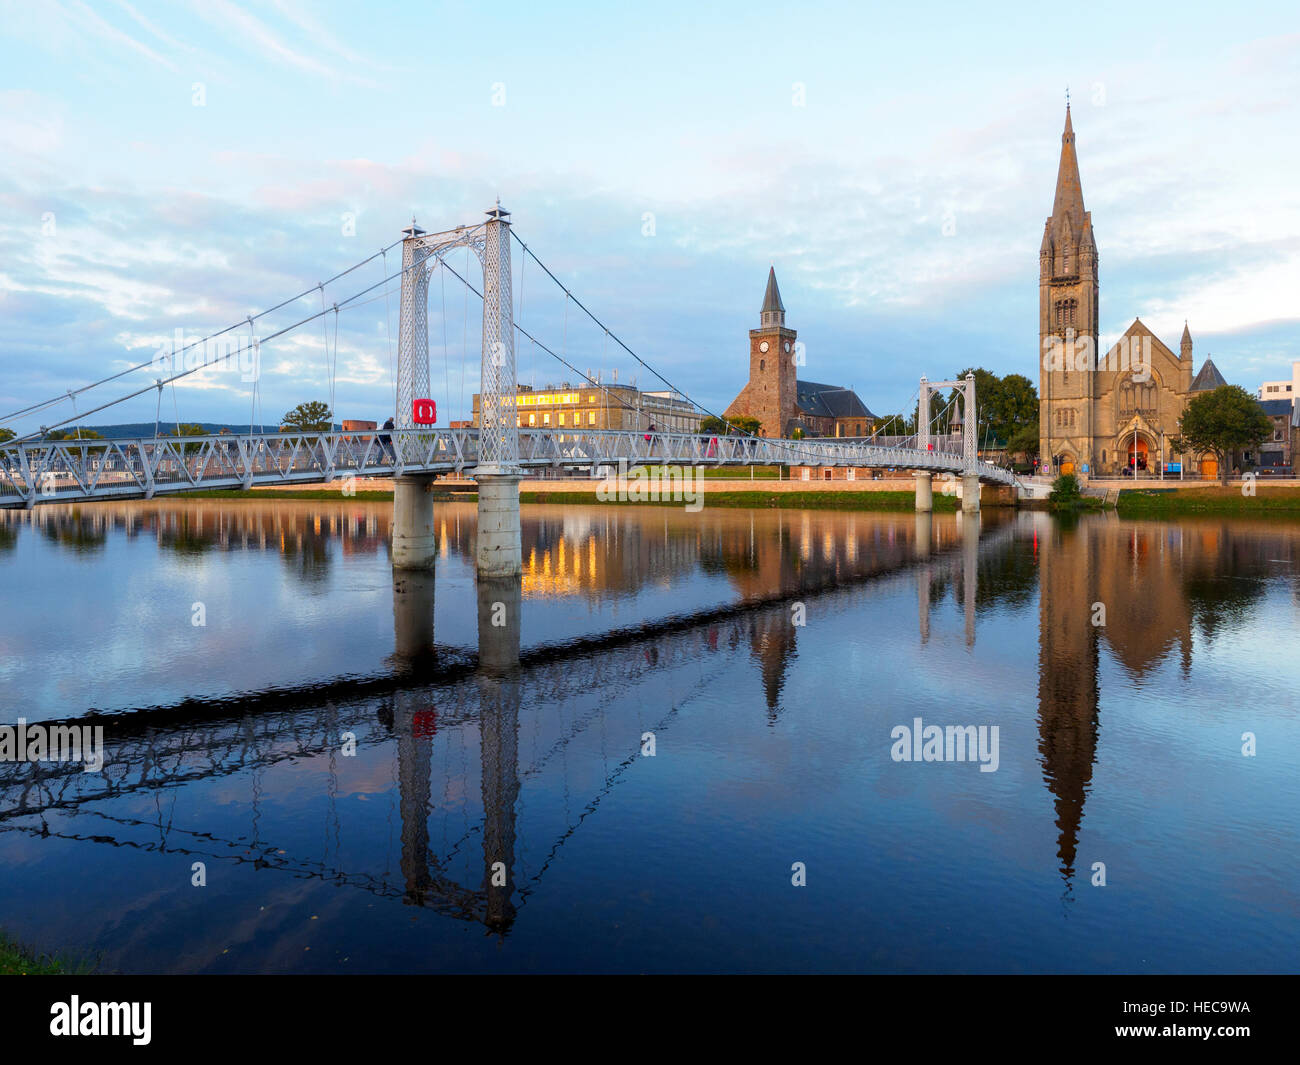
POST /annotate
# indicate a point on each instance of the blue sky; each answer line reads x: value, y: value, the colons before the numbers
x: 900, y: 193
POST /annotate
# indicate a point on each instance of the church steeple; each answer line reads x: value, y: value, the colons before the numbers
x: 1067, y: 318
x: 773, y: 312
x: 1069, y: 189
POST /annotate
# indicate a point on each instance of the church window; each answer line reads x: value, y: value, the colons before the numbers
x: 762, y: 364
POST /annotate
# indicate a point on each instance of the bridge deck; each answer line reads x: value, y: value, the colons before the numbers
x: 72, y: 471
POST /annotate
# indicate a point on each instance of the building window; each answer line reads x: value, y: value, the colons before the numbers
x: 762, y: 364
x: 591, y: 417
x: 532, y: 419
x: 546, y: 418
x: 561, y: 417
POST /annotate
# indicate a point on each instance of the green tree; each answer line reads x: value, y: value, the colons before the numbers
x: 1065, y: 490
x: 1017, y: 407
x: 6, y: 435
x: 189, y: 429
x: 312, y: 417
x: 1024, y: 440
x: 895, y: 425
x: 1003, y: 405
x: 72, y: 436
x: 741, y: 424
x: 1220, y: 422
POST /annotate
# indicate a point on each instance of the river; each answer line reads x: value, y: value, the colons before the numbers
x: 674, y: 746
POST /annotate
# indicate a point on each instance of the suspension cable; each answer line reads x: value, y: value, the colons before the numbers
x: 211, y: 336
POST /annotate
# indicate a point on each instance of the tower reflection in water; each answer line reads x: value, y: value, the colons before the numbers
x: 1161, y: 583
x: 415, y: 722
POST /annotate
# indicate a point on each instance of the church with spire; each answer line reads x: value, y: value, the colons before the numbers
x: 1101, y: 412
x: 785, y: 406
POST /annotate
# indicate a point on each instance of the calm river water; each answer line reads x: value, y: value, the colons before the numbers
x: 706, y: 708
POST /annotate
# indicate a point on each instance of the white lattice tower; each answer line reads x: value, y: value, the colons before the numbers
x: 970, y: 448
x: 923, y: 417
x: 498, y: 430
x: 413, y: 329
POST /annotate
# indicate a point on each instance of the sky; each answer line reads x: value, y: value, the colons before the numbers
x: 181, y: 166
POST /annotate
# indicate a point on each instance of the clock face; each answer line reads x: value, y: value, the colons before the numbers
x: 787, y: 345
x: 762, y: 346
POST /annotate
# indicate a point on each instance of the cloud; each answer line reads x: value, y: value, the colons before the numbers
x: 98, y: 27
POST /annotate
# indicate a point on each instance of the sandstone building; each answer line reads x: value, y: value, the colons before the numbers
x: 1095, y: 415
x: 784, y: 405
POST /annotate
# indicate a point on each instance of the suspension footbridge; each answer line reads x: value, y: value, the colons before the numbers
x: 36, y: 469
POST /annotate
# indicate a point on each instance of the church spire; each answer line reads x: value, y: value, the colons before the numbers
x: 1069, y: 190
x: 773, y: 312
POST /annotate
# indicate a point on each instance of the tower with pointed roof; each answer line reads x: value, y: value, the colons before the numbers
x: 772, y: 393
x: 777, y: 398
x: 1114, y: 411
x: 1067, y: 317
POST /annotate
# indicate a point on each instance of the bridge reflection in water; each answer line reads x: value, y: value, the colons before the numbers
x: 604, y: 690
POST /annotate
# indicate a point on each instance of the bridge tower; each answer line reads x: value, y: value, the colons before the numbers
x: 970, y: 480
x: 498, y: 551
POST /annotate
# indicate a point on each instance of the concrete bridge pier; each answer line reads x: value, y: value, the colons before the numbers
x: 970, y: 493
x: 498, y: 551
x: 924, y: 491
x: 414, y: 543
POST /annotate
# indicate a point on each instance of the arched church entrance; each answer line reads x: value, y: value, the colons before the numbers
x: 1139, y: 454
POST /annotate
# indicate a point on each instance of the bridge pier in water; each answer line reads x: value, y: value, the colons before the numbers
x: 415, y: 545
x: 924, y: 491
x: 970, y: 493
x: 498, y: 550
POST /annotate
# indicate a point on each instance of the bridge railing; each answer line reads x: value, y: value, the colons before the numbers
x: 34, y: 472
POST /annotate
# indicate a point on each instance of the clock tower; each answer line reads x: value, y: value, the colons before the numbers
x: 771, y: 395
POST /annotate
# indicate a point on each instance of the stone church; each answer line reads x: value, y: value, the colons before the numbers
x: 784, y: 405
x: 1100, y: 413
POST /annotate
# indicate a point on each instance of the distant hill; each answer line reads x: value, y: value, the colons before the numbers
x: 132, y: 430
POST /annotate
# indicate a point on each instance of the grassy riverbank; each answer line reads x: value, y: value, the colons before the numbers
x: 1267, y: 501
x: 757, y: 499
x: 824, y: 500
x: 14, y: 961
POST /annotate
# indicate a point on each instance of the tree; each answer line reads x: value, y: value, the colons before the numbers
x: 5, y: 435
x: 741, y: 424
x: 1220, y: 422
x: 1003, y: 405
x: 73, y: 435
x: 1065, y: 490
x: 189, y: 429
x: 895, y: 425
x: 1024, y: 440
x: 1017, y: 408
x: 312, y: 417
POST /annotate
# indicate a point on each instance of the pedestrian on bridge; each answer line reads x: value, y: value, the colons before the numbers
x: 386, y: 442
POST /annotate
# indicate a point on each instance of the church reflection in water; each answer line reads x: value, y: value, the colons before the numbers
x: 1160, y: 585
